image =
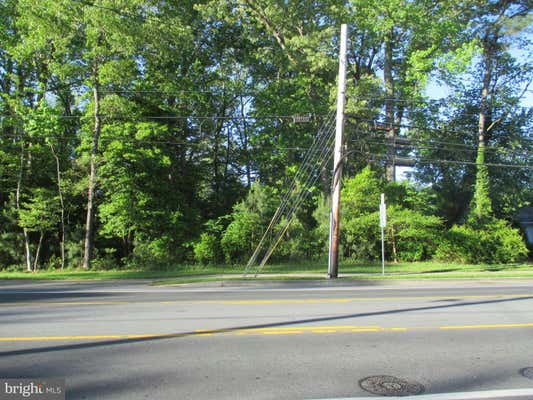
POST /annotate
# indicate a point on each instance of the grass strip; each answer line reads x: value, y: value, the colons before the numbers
x: 347, y: 270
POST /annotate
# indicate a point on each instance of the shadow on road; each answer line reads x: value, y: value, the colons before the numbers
x: 17, y: 297
x: 151, y: 338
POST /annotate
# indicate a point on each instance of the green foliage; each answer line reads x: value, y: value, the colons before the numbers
x: 10, y: 243
x: 481, y: 209
x: 361, y: 194
x: 361, y: 238
x: 196, y: 99
x: 414, y: 234
x: 321, y: 230
x: 492, y: 243
x: 208, y: 250
x: 299, y: 243
x: 411, y: 233
x: 156, y: 253
x: 248, y: 221
x: 39, y: 213
x: 240, y: 236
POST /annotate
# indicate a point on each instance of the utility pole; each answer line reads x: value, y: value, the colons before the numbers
x: 333, y: 261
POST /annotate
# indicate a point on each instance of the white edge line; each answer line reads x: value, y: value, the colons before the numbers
x: 491, y: 394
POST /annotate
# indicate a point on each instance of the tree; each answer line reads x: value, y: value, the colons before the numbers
x: 39, y: 213
x: 405, y: 40
x: 502, y: 19
x: 43, y: 124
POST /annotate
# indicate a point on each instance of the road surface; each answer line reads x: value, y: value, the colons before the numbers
x: 287, y: 340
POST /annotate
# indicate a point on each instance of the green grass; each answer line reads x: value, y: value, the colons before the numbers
x: 311, y: 270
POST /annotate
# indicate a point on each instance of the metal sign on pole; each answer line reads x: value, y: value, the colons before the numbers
x: 333, y: 264
x: 383, y: 224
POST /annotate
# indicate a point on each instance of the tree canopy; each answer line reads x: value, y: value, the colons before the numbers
x: 149, y: 133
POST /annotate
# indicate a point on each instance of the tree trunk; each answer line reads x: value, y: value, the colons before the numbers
x: 481, y: 203
x: 17, y: 204
x: 389, y: 107
x: 245, y: 140
x: 60, y: 193
x: 89, y: 225
x: 38, y: 251
x: 20, y: 91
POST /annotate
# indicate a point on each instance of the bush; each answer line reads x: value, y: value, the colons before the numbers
x: 361, y: 237
x: 297, y: 243
x: 155, y: 254
x: 495, y: 242
x: 242, y: 233
x: 248, y: 221
x: 415, y: 236
x: 104, y: 259
x: 207, y: 250
x: 409, y: 236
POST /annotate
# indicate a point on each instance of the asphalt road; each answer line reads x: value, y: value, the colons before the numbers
x: 288, y: 340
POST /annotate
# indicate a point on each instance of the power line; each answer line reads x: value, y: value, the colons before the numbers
x: 290, y: 215
x: 386, y: 157
x: 170, y: 92
x: 304, y: 166
x: 177, y: 117
x: 293, y: 198
x: 422, y: 128
x: 428, y: 145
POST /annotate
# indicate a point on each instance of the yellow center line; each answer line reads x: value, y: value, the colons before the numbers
x: 293, y: 330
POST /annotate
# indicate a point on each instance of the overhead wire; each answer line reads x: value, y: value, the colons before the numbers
x: 292, y: 197
x: 425, y: 160
x: 325, y: 157
x: 429, y: 145
x: 319, y: 141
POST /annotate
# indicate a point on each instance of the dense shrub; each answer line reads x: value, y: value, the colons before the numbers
x: 207, y: 250
x: 492, y: 243
x: 156, y: 253
x: 238, y: 239
x: 360, y: 237
x: 298, y: 243
x: 411, y: 233
x: 415, y: 236
x: 248, y: 221
x: 409, y: 236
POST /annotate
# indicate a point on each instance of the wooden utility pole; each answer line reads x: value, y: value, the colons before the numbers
x: 333, y: 262
x: 389, y: 108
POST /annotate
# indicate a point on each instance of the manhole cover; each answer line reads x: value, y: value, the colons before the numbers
x: 527, y: 372
x: 385, y: 385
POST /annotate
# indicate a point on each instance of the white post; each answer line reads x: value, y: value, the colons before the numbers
x: 383, y: 224
x: 333, y: 264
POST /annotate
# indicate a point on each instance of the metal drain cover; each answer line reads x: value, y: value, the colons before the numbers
x: 527, y: 372
x: 385, y: 385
